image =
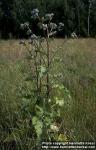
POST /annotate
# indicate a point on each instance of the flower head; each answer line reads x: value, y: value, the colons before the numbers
x: 44, y: 26
x: 35, y: 13
x: 53, y: 26
x: 29, y: 32
x: 24, y: 25
x: 49, y: 17
x: 73, y: 35
x: 61, y: 26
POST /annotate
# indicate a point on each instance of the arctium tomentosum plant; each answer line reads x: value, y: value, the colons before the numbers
x: 47, y: 105
x: 49, y: 29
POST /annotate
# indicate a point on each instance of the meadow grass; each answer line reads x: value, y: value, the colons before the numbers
x: 77, y: 66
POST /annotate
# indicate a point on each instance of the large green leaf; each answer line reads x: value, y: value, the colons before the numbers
x: 39, y: 111
x: 42, y: 71
x: 38, y: 125
x: 59, y: 101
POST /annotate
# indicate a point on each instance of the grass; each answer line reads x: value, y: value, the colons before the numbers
x: 77, y: 66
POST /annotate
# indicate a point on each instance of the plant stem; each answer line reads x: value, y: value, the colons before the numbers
x: 48, y: 62
x: 37, y: 77
x: 40, y: 66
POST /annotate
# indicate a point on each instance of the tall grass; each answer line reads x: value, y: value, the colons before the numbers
x: 76, y: 67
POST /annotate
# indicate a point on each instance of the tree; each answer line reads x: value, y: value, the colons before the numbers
x: 7, y: 20
x: 89, y: 9
x: 77, y: 15
x: 1, y: 13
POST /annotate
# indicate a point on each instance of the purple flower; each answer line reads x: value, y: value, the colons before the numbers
x: 35, y: 13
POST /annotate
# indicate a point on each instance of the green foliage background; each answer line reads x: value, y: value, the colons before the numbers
x: 74, y: 14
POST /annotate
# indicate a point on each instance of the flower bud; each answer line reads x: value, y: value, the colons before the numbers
x: 24, y: 25
x: 44, y: 26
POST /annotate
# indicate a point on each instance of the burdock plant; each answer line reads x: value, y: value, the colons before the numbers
x: 46, y: 106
